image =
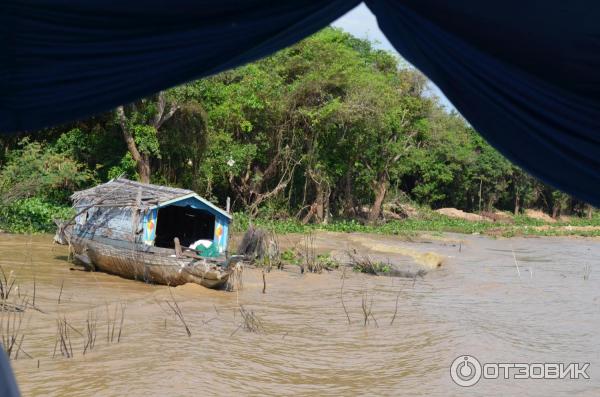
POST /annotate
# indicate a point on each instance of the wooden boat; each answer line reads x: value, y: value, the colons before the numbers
x: 134, y: 230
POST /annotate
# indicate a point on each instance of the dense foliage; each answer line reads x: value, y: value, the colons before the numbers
x: 328, y: 128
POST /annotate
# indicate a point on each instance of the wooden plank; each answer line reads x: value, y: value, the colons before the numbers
x: 178, y: 252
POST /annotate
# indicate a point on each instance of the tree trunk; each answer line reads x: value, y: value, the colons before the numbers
x: 348, y: 196
x: 517, y: 205
x: 319, y: 205
x: 490, y: 203
x: 311, y: 212
x: 322, y: 202
x: 590, y: 210
x: 143, y: 168
x: 326, y: 195
x: 142, y: 160
x: 480, y: 188
x: 555, y: 210
x: 380, y: 188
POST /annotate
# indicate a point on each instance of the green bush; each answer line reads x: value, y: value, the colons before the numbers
x: 36, y: 170
x: 32, y: 215
x: 288, y: 256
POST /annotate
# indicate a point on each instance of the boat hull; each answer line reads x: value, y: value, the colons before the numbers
x: 151, y: 266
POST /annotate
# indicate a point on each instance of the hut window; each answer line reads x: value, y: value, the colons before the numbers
x: 186, y: 223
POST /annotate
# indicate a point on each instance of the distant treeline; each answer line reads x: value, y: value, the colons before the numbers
x: 330, y: 127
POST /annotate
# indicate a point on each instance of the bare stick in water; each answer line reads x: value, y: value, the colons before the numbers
x: 396, y: 309
x: 107, y: 324
x: 587, y: 271
x: 250, y: 321
x: 122, y: 321
x: 114, y: 322
x: 342, y: 295
x: 515, y: 259
x: 177, y: 310
x: 61, y: 289
x: 264, y: 282
x: 365, y: 309
x: 91, y: 328
x: 63, y: 338
x: 6, y: 284
x: 10, y: 329
x: 368, y: 310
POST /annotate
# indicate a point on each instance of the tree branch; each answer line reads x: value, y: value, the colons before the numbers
x: 161, y: 117
x: 167, y: 116
x: 160, y: 109
x: 129, y: 140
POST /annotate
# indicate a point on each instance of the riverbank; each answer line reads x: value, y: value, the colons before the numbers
x: 423, y: 221
x: 433, y: 222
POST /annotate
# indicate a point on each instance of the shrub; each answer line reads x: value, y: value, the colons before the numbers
x: 32, y: 215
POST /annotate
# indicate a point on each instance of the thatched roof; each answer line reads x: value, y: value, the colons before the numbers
x: 122, y: 192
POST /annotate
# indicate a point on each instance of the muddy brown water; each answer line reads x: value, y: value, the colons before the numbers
x: 476, y: 303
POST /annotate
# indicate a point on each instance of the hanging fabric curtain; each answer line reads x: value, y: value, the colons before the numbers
x: 66, y: 59
x: 524, y: 74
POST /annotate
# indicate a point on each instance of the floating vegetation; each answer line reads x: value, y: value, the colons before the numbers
x: 364, y: 264
x: 310, y: 261
x: 327, y: 262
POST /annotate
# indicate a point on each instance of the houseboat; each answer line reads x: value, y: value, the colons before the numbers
x: 151, y: 233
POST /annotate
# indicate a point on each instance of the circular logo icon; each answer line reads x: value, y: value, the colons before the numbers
x: 465, y: 371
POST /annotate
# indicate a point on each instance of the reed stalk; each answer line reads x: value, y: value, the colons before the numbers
x: 177, y: 310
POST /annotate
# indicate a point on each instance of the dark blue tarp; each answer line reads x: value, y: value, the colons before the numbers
x: 8, y: 384
x: 525, y: 74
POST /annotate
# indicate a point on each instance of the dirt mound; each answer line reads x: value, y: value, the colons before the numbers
x: 539, y: 215
x: 498, y: 216
x: 459, y: 214
x: 566, y: 218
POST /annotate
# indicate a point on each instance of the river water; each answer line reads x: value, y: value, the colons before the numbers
x: 542, y: 308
